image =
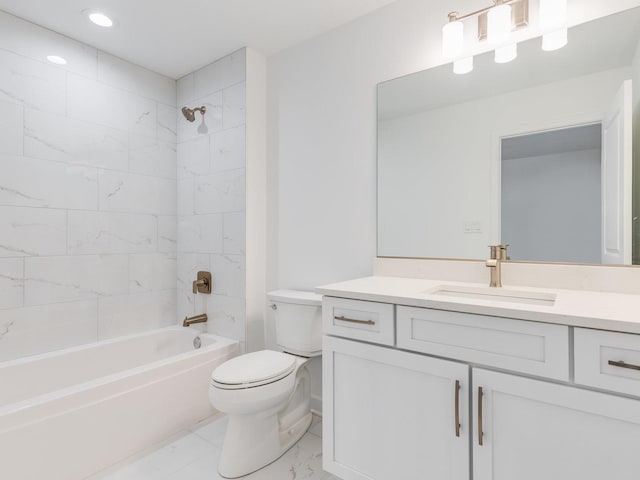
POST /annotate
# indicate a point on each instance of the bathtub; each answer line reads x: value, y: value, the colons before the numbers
x: 68, y: 414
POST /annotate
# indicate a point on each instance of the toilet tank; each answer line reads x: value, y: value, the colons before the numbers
x: 298, y: 321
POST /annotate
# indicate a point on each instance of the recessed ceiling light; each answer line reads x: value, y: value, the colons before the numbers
x: 100, y: 19
x: 56, y: 59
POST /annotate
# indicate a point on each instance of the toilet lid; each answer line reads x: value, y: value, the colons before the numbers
x: 254, y: 367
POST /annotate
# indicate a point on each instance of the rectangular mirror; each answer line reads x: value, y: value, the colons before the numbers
x: 535, y: 153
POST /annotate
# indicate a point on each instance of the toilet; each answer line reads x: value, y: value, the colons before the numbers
x: 267, y: 394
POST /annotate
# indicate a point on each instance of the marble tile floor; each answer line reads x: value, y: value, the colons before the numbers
x: 193, y: 455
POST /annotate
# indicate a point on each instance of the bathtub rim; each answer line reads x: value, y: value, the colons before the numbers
x: 219, y: 343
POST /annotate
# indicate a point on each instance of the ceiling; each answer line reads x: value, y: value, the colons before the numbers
x: 553, y: 142
x: 175, y: 37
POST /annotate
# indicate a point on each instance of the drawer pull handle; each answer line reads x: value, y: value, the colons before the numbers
x: 480, y: 432
x: 457, y: 407
x: 352, y: 320
x: 622, y: 364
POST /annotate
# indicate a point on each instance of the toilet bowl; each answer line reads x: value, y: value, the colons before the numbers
x: 267, y: 394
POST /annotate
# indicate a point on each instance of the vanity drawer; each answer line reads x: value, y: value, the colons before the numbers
x: 595, y: 349
x: 360, y: 320
x: 530, y: 347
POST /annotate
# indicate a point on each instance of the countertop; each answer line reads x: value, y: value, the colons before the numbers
x: 578, y: 308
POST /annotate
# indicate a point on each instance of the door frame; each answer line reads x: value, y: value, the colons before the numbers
x: 516, y: 130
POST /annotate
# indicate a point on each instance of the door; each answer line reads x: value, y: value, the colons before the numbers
x: 531, y: 430
x: 617, y: 179
x: 392, y: 415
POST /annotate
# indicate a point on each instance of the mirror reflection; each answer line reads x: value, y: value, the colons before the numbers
x: 551, y: 195
x: 536, y: 153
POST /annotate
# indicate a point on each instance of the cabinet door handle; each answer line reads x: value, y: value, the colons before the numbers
x: 480, y: 433
x: 622, y: 364
x: 352, y: 320
x: 457, y: 407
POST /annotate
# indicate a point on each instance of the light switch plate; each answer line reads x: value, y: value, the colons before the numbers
x: 472, y: 227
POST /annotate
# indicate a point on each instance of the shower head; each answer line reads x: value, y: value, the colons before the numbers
x: 190, y: 113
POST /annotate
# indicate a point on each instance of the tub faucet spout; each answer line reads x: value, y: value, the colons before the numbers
x: 197, y: 319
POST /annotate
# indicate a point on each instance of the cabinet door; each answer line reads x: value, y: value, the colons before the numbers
x: 392, y: 415
x: 533, y: 430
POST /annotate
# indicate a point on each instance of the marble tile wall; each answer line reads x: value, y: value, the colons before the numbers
x: 211, y: 194
x: 88, y: 169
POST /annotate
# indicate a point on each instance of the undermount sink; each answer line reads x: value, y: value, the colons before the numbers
x: 495, y: 294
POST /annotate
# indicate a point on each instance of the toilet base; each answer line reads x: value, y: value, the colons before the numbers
x: 253, y: 442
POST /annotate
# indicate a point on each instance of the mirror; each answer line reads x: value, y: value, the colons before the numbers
x: 535, y: 153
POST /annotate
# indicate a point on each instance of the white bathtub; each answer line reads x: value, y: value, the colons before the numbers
x: 68, y: 414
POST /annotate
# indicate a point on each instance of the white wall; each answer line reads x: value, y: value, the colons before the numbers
x: 322, y: 136
x: 256, y: 198
x: 443, y: 180
x: 322, y: 133
x: 87, y: 194
x: 212, y: 195
x: 551, y: 207
x: 636, y: 156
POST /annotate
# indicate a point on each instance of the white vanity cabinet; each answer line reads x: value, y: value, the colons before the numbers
x: 393, y: 415
x: 534, y: 430
x: 533, y: 400
x: 530, y: 347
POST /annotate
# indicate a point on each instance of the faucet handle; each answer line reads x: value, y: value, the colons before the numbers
x: 499, y: 252
x: 203, y: 283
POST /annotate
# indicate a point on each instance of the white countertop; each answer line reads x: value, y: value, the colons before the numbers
x: 579, y: 308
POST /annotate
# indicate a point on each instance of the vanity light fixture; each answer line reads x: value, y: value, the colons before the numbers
x: 453, y: 37
x: 499, y: 23
x: 499, y: 32
x: 496, y: 23
x: 506, y: 53
x: 56, y: 59
x: 463, y: 65
x: 553, y: 20
x: 453, y: 44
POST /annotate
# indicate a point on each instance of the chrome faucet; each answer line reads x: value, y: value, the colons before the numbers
x: 498, y: 255
x: 197, y: 319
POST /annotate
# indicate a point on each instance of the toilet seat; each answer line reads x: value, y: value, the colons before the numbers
x: 253, y: 370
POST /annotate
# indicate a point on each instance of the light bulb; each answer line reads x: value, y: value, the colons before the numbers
x: 101, y: 19
x: 554, y: 40
x: 452, y: 39
x: 507, y: 53
x: 499, y: 24
x: 56, y: 59
x: 553, y: 14
x: 462, y: 66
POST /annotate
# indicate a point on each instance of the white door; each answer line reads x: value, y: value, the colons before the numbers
x: 392, y: 415
x: 617, y: 179
x: 534, y: 430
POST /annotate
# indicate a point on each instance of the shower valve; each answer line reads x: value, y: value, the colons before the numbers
x: 203, y: 283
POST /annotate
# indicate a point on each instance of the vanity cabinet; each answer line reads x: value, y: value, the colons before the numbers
x: 393, y: 415
x: 535, y: 348
x: 367, y: 321
x: 534, y: 430
x: 608, y: 360
x: 463, y: 395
